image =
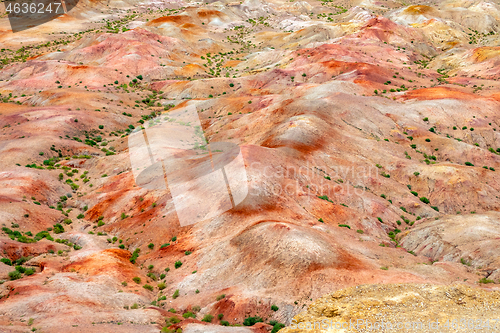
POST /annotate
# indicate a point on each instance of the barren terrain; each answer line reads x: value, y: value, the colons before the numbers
x: 369, y: 131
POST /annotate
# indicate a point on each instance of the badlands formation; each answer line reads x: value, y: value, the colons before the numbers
x: 370, y: 135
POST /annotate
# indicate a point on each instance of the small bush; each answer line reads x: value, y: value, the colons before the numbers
x: 176, y: 294
x: 135, y: 255
x: 178, y: 264
x: 6, y: 261
x: 250, y: 321
x: 224, y: 323
x: 29, y: 271
x: 135, y: 306
x: 188, y: 253
x: 161, y: 285
x: 221, y: 297
x: 188, y: 315
x: 424, y: 200
x: 220, y: 316
x: 148, y: 287
x: 58, y: 228
x: 274, y: 308
x: 14, y: 275
x: 151, y: 245
x: 277, y: 326
x: 208, y: 318
x: 137, y: 279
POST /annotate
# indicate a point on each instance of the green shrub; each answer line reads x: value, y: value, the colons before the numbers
x: 220, y: 315
x: 172, y: 310
x: 137, y: 279
x: 277, y: 327
x: 224, y: 323
x: 174, y: 320
x: 135, y: 255
x: 6, y: 261
x: 67, y: 221
x: 29, y: 271
x: 250, y: 321
x: 135, y: 306
x: 101, y: 126
x: 208, y: 318
x: 188, y: 253
x: 80, y: 216
x: 188, y: 315
x: 150, y: 267
x: 485, y: 280
x: 14, y: 275
x: 162, y: 285
x: 274, y: 308
x: 424, y: 200
x: 469, y: 164
x: 178, y: 264
x: 151, y: 245
x: 58, y: 228
x: 221, y: 297
x: 176, y: 294
x: 174, y: 238
x: 148, y: 287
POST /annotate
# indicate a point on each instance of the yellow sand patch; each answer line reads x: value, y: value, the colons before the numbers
x: 7, y: 108
x: 190, y: 70
x: 485, y: 53
x: 418, y: 10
